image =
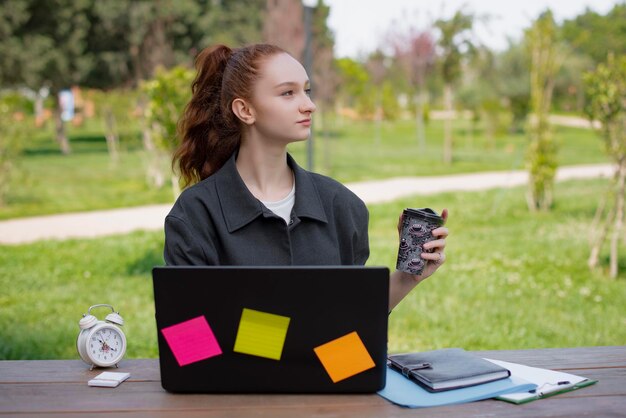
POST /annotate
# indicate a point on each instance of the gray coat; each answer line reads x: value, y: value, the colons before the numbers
x: 219, y: 222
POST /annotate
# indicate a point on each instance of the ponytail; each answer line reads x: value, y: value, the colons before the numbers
x: 209, y: 131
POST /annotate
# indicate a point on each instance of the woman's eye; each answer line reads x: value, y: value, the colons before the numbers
x: 287, y: 93
x: 308, y: 92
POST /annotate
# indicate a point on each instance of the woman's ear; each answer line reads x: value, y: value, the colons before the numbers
x: 243, y: 111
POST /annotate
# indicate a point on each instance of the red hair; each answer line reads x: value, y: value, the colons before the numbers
x: 208, y: 129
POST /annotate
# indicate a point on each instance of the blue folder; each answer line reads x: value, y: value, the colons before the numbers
x: 405, y: 392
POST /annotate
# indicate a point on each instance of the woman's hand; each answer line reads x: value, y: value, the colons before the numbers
x: 435, y: 255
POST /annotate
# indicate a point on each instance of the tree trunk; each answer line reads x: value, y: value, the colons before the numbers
x: 378, y: 115
x: 598, y: 233
x: 419, y: 121
x: 619, y: 220
x: 447, y: 129
x: 39, y: 110
x: 175, y: 185
x: 111, y: 135
x: 323, y: 124
x: 61, y: 136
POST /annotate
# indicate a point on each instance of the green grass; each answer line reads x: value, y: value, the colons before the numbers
x: 512, y: 280
x: 353, y: 152
x: 49, y: 182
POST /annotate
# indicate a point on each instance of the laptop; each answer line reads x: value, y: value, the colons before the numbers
x: 278, y: 329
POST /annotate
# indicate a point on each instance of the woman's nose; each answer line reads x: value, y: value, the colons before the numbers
x: 308, y: 106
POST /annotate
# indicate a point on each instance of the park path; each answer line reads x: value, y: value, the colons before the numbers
x: 121, y: 221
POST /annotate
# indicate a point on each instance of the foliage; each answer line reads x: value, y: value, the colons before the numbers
x: 229, y: 22
x: 454, y: 43
x: 107, y: 44
x: 513, y: 83
x: 116, y: 109
x: 606, y: 93
x: 569, y: 92
x: 14, y: 130
x: 606, y: 90
x: 541, y: 160
x: 44, y: 43
x: 495, y: 291
x: 354, y: 83
x: 481, y: 92
x: 122, y: 104
x: 168, y: 93
x: 389, y: 102
x: 597, y: 36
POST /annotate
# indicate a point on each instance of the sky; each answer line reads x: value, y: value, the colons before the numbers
x: 360, y: 25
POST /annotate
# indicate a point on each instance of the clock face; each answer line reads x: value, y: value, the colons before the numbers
x: 106, y: 345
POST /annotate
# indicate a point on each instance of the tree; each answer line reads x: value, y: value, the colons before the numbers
x: 606, y: 93
x: 569, y: 92
x: 595, y: 35
x: 167, y: 93
x: 416, y: 55
x: 324, y: 75
x: 116, y: 109
x: 15, y: 128
x: 284, y: 26
x: 545, y: 60
x: 377, y: 70
x: 480, y: 92
x: 512, y: 76
x: 130, y: 39
x: 324, y: 71
x: 454, y: 42
x: 230, y: 22
x: 44, y: 44
x: 353, y: 84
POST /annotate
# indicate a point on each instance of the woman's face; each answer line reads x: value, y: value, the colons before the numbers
x: 280, y: 100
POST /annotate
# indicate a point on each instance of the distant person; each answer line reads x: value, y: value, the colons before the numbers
x: 251, y: 204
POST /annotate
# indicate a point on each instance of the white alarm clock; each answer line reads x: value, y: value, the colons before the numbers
x: 101, y: 343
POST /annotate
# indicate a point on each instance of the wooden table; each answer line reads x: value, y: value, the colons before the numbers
x: 58, y: 388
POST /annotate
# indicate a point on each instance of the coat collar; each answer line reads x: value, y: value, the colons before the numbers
x: 240, y: 207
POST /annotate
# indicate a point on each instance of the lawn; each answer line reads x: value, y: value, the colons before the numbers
x: 49, y: 182
x: 513, y: 280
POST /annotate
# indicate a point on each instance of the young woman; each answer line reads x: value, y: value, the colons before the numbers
x: 252, y: 204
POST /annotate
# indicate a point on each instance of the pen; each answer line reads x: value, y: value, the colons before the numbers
x: 543, y: 392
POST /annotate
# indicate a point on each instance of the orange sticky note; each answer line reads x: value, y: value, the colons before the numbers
x: 344, y: 357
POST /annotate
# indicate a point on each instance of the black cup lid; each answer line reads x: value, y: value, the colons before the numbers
x: 426, y: 213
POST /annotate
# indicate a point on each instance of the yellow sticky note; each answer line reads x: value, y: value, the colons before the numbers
x: 344, y: 357
x: 261, y: 334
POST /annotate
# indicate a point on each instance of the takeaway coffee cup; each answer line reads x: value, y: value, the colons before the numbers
x: 416, y: 230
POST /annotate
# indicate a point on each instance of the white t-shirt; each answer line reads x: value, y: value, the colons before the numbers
x: 283, y: 207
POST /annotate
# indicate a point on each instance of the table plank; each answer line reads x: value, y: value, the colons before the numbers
x: 563, y: 358
x: 34, y: 371
x: 22, y: 371
x: 149, y: 396
x: 59, y: 387
x: 606, y: 407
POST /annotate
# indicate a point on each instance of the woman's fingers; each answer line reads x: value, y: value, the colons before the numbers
x: 438, y: 244
x: 441, y: 232
x: 436, y: 257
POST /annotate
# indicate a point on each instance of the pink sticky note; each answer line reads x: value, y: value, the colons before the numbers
x: 191, y: 341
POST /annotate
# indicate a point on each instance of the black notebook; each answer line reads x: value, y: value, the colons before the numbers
x: 448, y: 368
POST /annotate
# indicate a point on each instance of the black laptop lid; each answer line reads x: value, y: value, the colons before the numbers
x: 272, y: 329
